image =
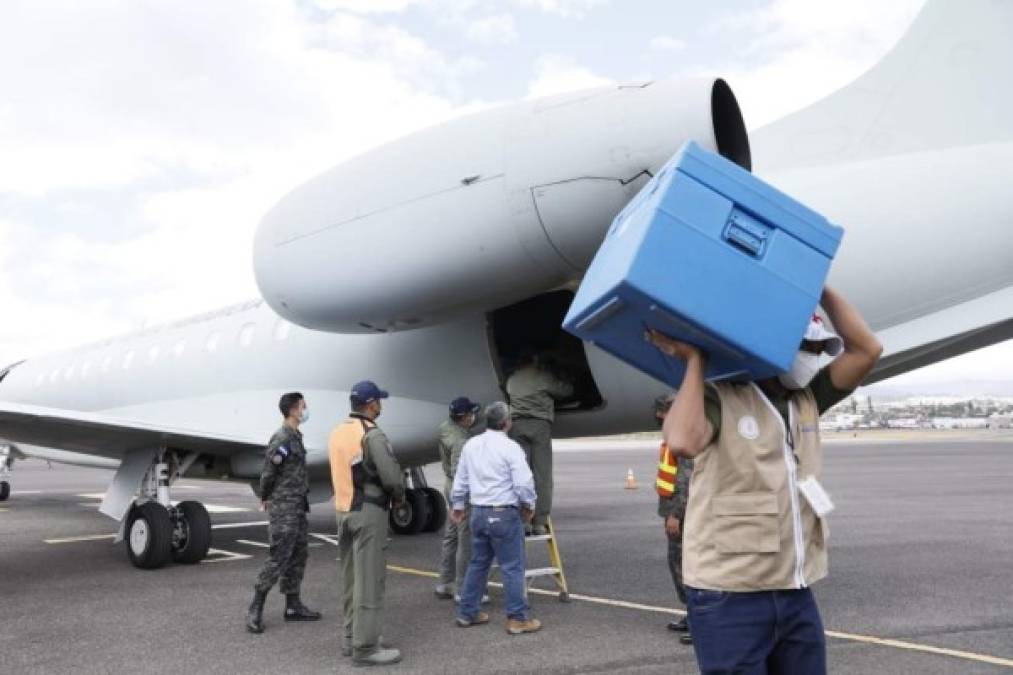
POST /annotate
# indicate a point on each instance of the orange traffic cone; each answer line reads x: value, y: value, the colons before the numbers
x: 631, y: 481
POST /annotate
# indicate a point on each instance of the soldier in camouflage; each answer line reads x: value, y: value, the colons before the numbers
x: 283, y: 490
x: 673, y: 510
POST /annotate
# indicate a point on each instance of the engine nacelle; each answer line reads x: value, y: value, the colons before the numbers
x: 481, y: 211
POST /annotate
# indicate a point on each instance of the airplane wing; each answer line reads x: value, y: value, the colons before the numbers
x: 105, y: 436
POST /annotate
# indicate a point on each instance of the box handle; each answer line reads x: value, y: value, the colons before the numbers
x: 747, y: 234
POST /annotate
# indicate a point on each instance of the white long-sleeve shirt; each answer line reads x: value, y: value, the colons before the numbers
x: 493, y: 472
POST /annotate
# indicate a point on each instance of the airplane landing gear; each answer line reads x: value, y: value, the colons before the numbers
x: 191, y: 536
x: 423, y: 510
x: 157, y: 531
x: 6, y: 467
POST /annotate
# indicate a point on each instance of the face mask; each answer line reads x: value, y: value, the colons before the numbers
x: 803, y: 370
x: 305, y: 417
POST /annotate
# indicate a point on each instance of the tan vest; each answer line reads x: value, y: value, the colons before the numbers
x: 344, y: 449
x: 748, y: 528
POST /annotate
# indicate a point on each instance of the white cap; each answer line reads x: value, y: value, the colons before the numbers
x: 818, y: 332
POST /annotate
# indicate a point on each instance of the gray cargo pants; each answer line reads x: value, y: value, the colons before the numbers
x: 535, y: 436
x: 362, y: 546
x: 456, y: 548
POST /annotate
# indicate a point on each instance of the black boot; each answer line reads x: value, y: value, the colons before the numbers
x: 255, y: 615
x: 296, y: 611
x: 680, y: 626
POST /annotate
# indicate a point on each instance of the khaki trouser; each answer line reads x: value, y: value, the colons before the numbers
x: 456, y: 548
x: 535, y: 436
x: 362, y: 546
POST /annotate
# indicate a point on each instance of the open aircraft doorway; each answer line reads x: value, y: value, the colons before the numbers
x: 535, y: 325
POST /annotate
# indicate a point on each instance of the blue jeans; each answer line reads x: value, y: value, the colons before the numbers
x: 500, y: 534
x: 757, y: 633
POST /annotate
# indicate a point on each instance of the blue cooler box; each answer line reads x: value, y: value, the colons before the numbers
x: 711, y: 255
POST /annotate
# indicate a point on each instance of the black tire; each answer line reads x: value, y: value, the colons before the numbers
x: 437, y: 510
x: 149, y: 536
x: 5, y: 491
x: 411, y: 516
x: 192, y: 536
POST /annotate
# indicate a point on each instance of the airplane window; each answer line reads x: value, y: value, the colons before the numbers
x: 128, y: 358
x: 212, y: 343
x: 246, y: 334
x: 179, y: 348
x: 153, y: 354
x: 85, y: 367
x: 281, y: 329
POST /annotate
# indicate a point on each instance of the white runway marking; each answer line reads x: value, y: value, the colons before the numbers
x: 226, y: 526
x: 85, y: 537
x: 223, y: 556
x: 329, y: 538
x: 212, y: 508
x: 867, y: 639
x: 259, y: 544
x: 25, y: 492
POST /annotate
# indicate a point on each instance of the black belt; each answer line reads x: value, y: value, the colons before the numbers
x: 496, y: 508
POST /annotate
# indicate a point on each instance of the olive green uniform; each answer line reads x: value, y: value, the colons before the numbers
x: 362, y: 547
x: 533, y: 394
x: 456, y: 538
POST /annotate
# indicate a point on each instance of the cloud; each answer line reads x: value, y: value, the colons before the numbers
x: 564, y: 8
x: 365, y: 6
x: 189, y: 124
x: 555, y: 74
x: 795, y: 52
x: 667, y: 43
x: 498, y: 29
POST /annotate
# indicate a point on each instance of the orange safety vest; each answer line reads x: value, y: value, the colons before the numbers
x: 344, y: 449
x: 665, y: 483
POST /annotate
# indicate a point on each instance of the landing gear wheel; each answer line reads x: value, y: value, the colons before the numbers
x: 411, y: 516
x: 5, y: 491
x: 191, y: 535
x: 437, y: 510
x: 149, y: 535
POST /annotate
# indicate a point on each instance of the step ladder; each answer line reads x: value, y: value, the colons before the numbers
x: 555, y: 568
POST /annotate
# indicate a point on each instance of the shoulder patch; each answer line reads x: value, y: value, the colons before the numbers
x: 280, y: 454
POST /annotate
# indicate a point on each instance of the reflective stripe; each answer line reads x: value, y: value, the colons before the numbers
x: 665, y: 482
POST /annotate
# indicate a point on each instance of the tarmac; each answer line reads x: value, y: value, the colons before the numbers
x: 921, y: 576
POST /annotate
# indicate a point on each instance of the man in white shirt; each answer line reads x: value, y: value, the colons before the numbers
x: 493, y: 475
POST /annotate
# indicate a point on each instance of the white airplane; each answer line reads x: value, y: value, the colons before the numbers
x: 430, y: 263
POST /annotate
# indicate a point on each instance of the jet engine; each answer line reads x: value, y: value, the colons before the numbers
x: 481, y: 211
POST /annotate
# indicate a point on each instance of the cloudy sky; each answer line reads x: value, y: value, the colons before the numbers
x: 140, y: 142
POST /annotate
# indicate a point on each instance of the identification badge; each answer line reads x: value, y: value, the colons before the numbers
x: 817, y: 497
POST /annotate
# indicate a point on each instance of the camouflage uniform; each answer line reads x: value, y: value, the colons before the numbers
x: 456, y: 538
x: 676, y: 506
x: 284, y: 485
x: 533, y: 394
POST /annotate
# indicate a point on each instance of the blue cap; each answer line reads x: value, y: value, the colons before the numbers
x: 462, y: 405
x: 366, y: 391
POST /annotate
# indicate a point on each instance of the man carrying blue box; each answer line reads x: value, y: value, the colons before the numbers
x: 755, y: 528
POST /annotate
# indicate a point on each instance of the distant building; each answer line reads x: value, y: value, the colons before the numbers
x: 1000, y: 421
x: 959, y: 422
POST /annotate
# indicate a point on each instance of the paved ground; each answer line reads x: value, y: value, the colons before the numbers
x: 922, y: 544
